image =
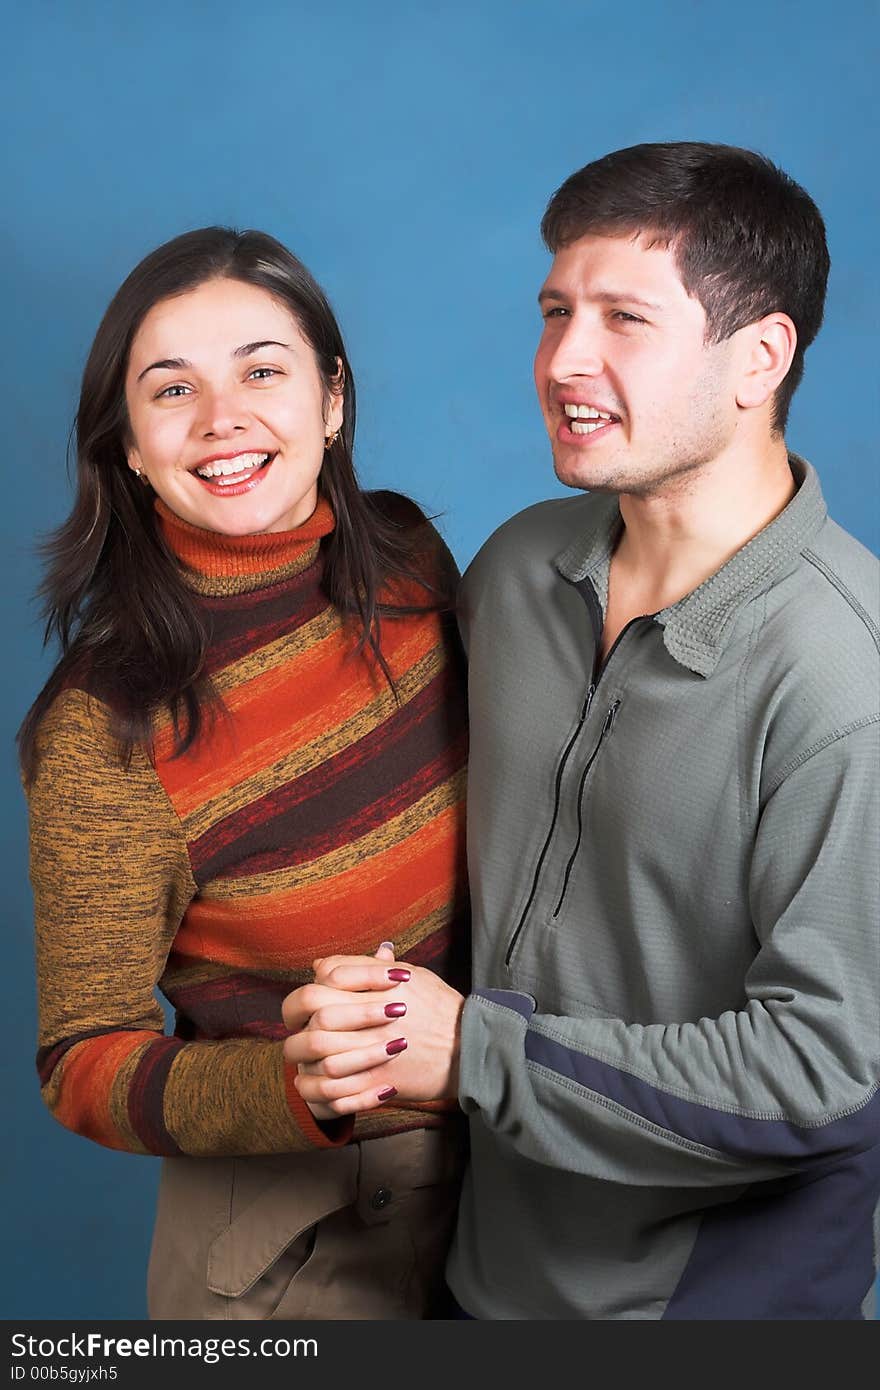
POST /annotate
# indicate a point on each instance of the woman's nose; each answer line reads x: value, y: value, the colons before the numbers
x: 221, y: 415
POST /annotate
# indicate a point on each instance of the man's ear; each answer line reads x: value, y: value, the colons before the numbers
x: 770, y: 345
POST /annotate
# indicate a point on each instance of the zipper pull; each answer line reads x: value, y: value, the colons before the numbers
x: 587, y: 702
x: 610, y: 717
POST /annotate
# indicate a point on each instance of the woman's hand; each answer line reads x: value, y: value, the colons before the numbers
x: 312, y: 1009
x: 351, y: 1058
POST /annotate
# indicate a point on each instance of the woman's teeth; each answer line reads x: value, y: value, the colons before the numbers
x: 232, y: 468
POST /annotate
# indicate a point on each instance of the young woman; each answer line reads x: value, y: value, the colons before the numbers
x: 251, y: 754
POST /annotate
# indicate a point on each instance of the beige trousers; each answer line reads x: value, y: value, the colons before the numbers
x: 358, y: 1232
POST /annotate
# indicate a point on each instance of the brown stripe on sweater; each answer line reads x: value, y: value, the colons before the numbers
x: 443, y: 798
x: 344, y: 797
x: 239, y: 625
x: 368, y: 830
x: 146, y: 1095
x: 302, y: 759
x: 238, y: 1003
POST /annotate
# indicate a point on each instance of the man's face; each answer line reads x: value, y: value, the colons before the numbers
x: 633, y: 398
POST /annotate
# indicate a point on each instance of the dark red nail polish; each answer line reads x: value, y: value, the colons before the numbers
x: 401, y: 976
x: 388, y: 1093
x: 398, y: 1045
x: 395, y: 1010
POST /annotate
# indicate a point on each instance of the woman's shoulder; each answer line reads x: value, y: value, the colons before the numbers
x: 75, y: 725
x: 427, y: 547
x: 396, y: 507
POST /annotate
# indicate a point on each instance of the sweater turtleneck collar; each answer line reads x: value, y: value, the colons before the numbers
x: 223, y: 565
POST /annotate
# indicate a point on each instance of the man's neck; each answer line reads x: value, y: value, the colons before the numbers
x: 675, y: 539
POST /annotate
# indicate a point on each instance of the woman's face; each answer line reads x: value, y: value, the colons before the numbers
x: 227, y: 409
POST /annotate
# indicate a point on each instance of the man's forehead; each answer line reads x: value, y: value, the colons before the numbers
x: 625, y: 265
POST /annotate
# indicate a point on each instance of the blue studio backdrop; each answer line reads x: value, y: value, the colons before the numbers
x: 405, y: 151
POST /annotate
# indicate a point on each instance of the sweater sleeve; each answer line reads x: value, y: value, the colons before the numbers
x: 111, y: 880
x: 785, y: 1083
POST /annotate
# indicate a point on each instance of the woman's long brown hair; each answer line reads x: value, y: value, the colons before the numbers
x: 114, y: 595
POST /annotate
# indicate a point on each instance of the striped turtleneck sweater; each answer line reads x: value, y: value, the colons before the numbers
x: 316, y: 815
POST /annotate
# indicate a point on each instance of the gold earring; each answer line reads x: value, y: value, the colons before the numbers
x: 141, y: 477
x: 331, y: 439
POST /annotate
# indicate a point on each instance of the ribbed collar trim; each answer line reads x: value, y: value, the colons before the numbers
x: 697, y: 628
x: 221, y: 564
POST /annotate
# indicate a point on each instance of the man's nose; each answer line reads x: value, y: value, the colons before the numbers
x: 577, y: 352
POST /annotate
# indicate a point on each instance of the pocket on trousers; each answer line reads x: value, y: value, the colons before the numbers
x: 272, y: 1238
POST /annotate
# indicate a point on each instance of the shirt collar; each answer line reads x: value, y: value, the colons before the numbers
x: 696, y: 629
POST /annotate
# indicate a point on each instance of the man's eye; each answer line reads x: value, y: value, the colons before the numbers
x: 555, y: 313
x: 170, y: 392
x: 624, y: 317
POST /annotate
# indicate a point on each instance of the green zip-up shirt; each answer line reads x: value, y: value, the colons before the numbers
x: 672, y: 1050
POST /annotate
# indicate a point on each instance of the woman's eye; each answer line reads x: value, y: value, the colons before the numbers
x: 261, y: 373
x: 170, y: 392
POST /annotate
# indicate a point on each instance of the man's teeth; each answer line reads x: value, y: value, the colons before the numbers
x: 585, y: 412
x: 227, y: 468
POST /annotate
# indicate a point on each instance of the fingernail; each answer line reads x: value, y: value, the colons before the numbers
x: 387, y: 1093
x: 395, y: 1010
x: 398, y: 1045
x: 401, y: 976
x: 386, y: 945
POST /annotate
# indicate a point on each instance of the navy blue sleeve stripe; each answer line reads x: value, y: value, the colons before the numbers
x: 522, y: 1004
x: 737, y: 1135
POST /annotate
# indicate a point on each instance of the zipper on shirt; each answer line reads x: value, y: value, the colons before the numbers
x: 585, y: 709
x: 606, y: 729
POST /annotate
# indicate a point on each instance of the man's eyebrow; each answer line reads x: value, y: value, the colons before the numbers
x: 177, y: 364
x: 601, y: 296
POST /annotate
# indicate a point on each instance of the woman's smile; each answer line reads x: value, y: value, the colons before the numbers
x: 228, y: 410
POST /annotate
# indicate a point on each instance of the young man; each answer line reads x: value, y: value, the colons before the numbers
x: 670, y: 1054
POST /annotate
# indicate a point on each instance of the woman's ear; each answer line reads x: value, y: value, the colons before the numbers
x: 135, y: 463
x: 335, y: 412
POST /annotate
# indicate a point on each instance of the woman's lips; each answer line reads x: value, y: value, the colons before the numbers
x: 245, y: 483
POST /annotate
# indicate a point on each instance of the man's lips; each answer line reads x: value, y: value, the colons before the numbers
x: 585, y: 431
x: 583, y: 422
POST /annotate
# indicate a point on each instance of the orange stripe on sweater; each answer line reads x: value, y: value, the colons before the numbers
x: 349, y: 914
x: 274, y: 717
x: 89, y: 1070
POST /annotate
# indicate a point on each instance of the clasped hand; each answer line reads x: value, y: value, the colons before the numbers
x: 369, y: 1030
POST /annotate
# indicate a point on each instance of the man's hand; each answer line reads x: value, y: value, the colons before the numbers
x: 312, y: 1008
x: 343, y: 1055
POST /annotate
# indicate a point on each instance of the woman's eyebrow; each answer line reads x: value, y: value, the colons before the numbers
x: 176, y: 364
x: 253, y: 347
x: 173, y: 364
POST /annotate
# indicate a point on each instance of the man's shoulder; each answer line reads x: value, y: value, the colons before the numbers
x: 817, y: 664
x: 534, y: 537
x: 830, y: 605
x: 849, y: 574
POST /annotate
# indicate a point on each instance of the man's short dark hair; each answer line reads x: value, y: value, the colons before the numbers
x: 747, y: 239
